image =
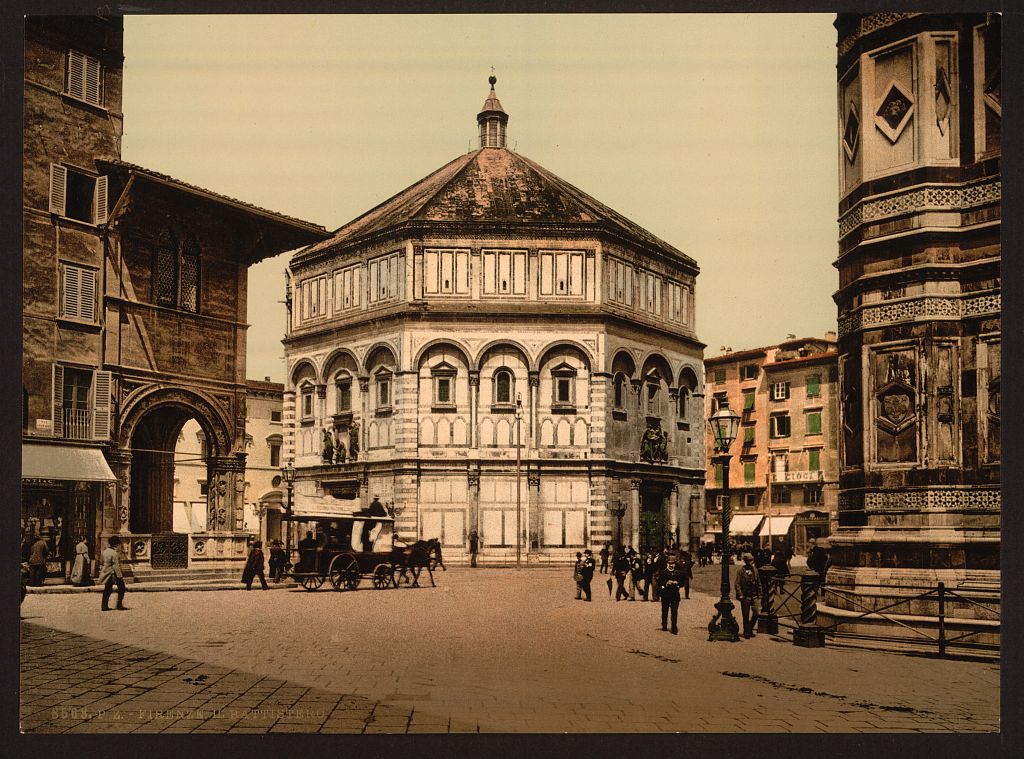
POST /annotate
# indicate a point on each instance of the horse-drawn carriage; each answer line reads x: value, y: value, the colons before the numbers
x: 346, y: 549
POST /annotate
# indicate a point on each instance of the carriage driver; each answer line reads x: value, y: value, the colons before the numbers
x: 376, y: 509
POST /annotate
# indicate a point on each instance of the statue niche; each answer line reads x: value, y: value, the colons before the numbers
x: 896, y: 418
x: 654, y: 444
x: 853, y: 438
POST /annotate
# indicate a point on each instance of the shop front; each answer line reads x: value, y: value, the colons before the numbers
x: 63, y: 491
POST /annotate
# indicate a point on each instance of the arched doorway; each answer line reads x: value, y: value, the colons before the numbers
x: 149, y: 435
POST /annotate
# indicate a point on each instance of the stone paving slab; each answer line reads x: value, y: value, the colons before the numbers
x: 487, y: 650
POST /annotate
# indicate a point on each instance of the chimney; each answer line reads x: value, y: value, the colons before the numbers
x: 266, y: 379
x: 830, y: 335
x: 791, y: 336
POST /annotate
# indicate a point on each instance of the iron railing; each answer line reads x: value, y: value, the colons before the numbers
x: 77, y: 424
x: 922, y: 611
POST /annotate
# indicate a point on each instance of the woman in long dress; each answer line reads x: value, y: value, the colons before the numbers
x: 80, y: 570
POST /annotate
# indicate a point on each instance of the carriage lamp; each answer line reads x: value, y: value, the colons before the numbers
x: 724, y: 424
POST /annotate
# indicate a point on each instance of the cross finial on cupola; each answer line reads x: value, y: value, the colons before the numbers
x: 492, y: 119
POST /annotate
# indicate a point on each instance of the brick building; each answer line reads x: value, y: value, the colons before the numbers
x: 784, y: 472
x: 490, y: 304
x: 134, y: 316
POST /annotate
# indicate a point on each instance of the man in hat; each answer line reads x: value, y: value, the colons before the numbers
x: 277, y: 561
x: 670, y: 580
x: 110, y: 573
x: 748, y: 590
x: 587, y: 572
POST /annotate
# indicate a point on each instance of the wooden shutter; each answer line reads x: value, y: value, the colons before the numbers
x: 813, y: 385
x: 814, y: 424
x: 76, y: 75
x: 70, y: 291
x: 58, y: 400
x: 92, y: 80
x: 718, y: 474
x: 748, y: 436
x: 99, y: 207
x: 101, y: 406
x: 748, y: 401
x: 748, y: 472
x: 87, y: 294
x: 58, y: 188
x: 814, y: 460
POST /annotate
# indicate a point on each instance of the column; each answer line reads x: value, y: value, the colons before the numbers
x: 474, y: 404
x: 532, y: 401
x: 473, y: 492
x: 364, y: 405
x: 634, y: 512
x: 117, y: 509
x: 321, y: 407
x: 533, y: 520
x: 673, y: 516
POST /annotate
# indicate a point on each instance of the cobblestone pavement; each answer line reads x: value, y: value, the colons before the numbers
x: 487, y: 650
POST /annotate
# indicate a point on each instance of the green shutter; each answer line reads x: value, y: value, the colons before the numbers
x: 748, y: 472
x: 814, y: 460
x: 813, y: 385
x: 719, y: 376
x: 748, y: 401
x: 814, y: 423
x: 748, y: 436
x: 718, y: 475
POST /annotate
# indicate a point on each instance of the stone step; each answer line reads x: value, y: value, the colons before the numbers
x: 179, y: 575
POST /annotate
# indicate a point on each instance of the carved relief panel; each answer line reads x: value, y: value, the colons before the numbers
x: 944, y: 413
x: 988, y: 399
x: 895, y: 418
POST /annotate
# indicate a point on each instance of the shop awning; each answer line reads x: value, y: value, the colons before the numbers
x: 778, y: 525
x: 745, y: 524
x: 61, y: 462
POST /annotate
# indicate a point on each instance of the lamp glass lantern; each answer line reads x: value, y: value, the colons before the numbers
x: 725, y: 424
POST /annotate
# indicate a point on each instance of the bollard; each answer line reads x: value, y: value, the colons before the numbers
x: 767, y: 621
x: 807, y: 634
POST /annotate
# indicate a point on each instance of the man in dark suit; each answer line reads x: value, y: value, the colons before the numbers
x: 669, y: 583
x: 587, y: 572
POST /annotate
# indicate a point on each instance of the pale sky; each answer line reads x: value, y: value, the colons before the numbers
x: 715, y: 132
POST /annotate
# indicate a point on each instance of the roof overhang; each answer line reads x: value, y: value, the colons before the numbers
x: 276, y: 233
x: 62, y: 462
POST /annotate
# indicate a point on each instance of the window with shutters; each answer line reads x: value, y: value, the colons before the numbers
x: 780, y: 391
x: 814, y: 423
x: 562, y: 274
x: 81, y: 403
x: 779, y: 425
x: 176, y: 273
x: 504, y: 272
x: 749, y: 372
x: 814, y: 460
x: 813, y: 385
x: 386, y: 278
x: 83, y: 78
x: 78, y: 288
x: 748, y: 436
x: 749, y: 473
x: 748, y: 401
x: 77, y: 195
x: 719, y: 376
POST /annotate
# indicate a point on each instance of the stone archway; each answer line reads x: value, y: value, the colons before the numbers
x: 147, y: 436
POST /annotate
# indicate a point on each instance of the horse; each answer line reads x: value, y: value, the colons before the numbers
x: 423, y: 554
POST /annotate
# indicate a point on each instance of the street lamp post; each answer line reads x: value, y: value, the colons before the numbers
x: 519, y: 497
x: 724, y: 424
x: 288, y: 474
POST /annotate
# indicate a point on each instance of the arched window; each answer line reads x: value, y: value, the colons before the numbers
x: 504, y: 387
x: 343, y: 392
x: 306, y: 400
x: 620, y: 391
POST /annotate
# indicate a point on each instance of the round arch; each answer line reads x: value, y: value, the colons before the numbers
x: 481, y: 355
x: 213, y: 421
x: 374, y: 350
x: 542, y: 356
x: 328, y: 365
x: 445, y: 341
x: 655, y: 360
x: 688, y: 378
x: 302, y: 362
x: 622, y: 361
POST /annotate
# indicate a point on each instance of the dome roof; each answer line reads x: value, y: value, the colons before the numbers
x: 493, y: 187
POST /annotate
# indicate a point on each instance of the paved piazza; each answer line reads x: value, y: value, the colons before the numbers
x: 488, y: 650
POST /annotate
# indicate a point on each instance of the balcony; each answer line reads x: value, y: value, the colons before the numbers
x: 805, y: 476
x: 77, y: 425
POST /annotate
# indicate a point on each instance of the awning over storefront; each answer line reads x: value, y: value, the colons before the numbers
x: 60, y: 462
x: 777, y: 525
x: 745, y: 524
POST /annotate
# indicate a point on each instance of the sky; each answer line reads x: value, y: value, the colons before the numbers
x: 716, y: 132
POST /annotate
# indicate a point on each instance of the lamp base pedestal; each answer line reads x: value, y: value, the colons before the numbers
x: 723, y: 625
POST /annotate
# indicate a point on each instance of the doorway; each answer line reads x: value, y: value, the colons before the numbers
x: 652, y: 518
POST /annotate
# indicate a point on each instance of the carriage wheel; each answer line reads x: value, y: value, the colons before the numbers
x: 312, y: 582
x: 344, y: 572
x: 383, y: 576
